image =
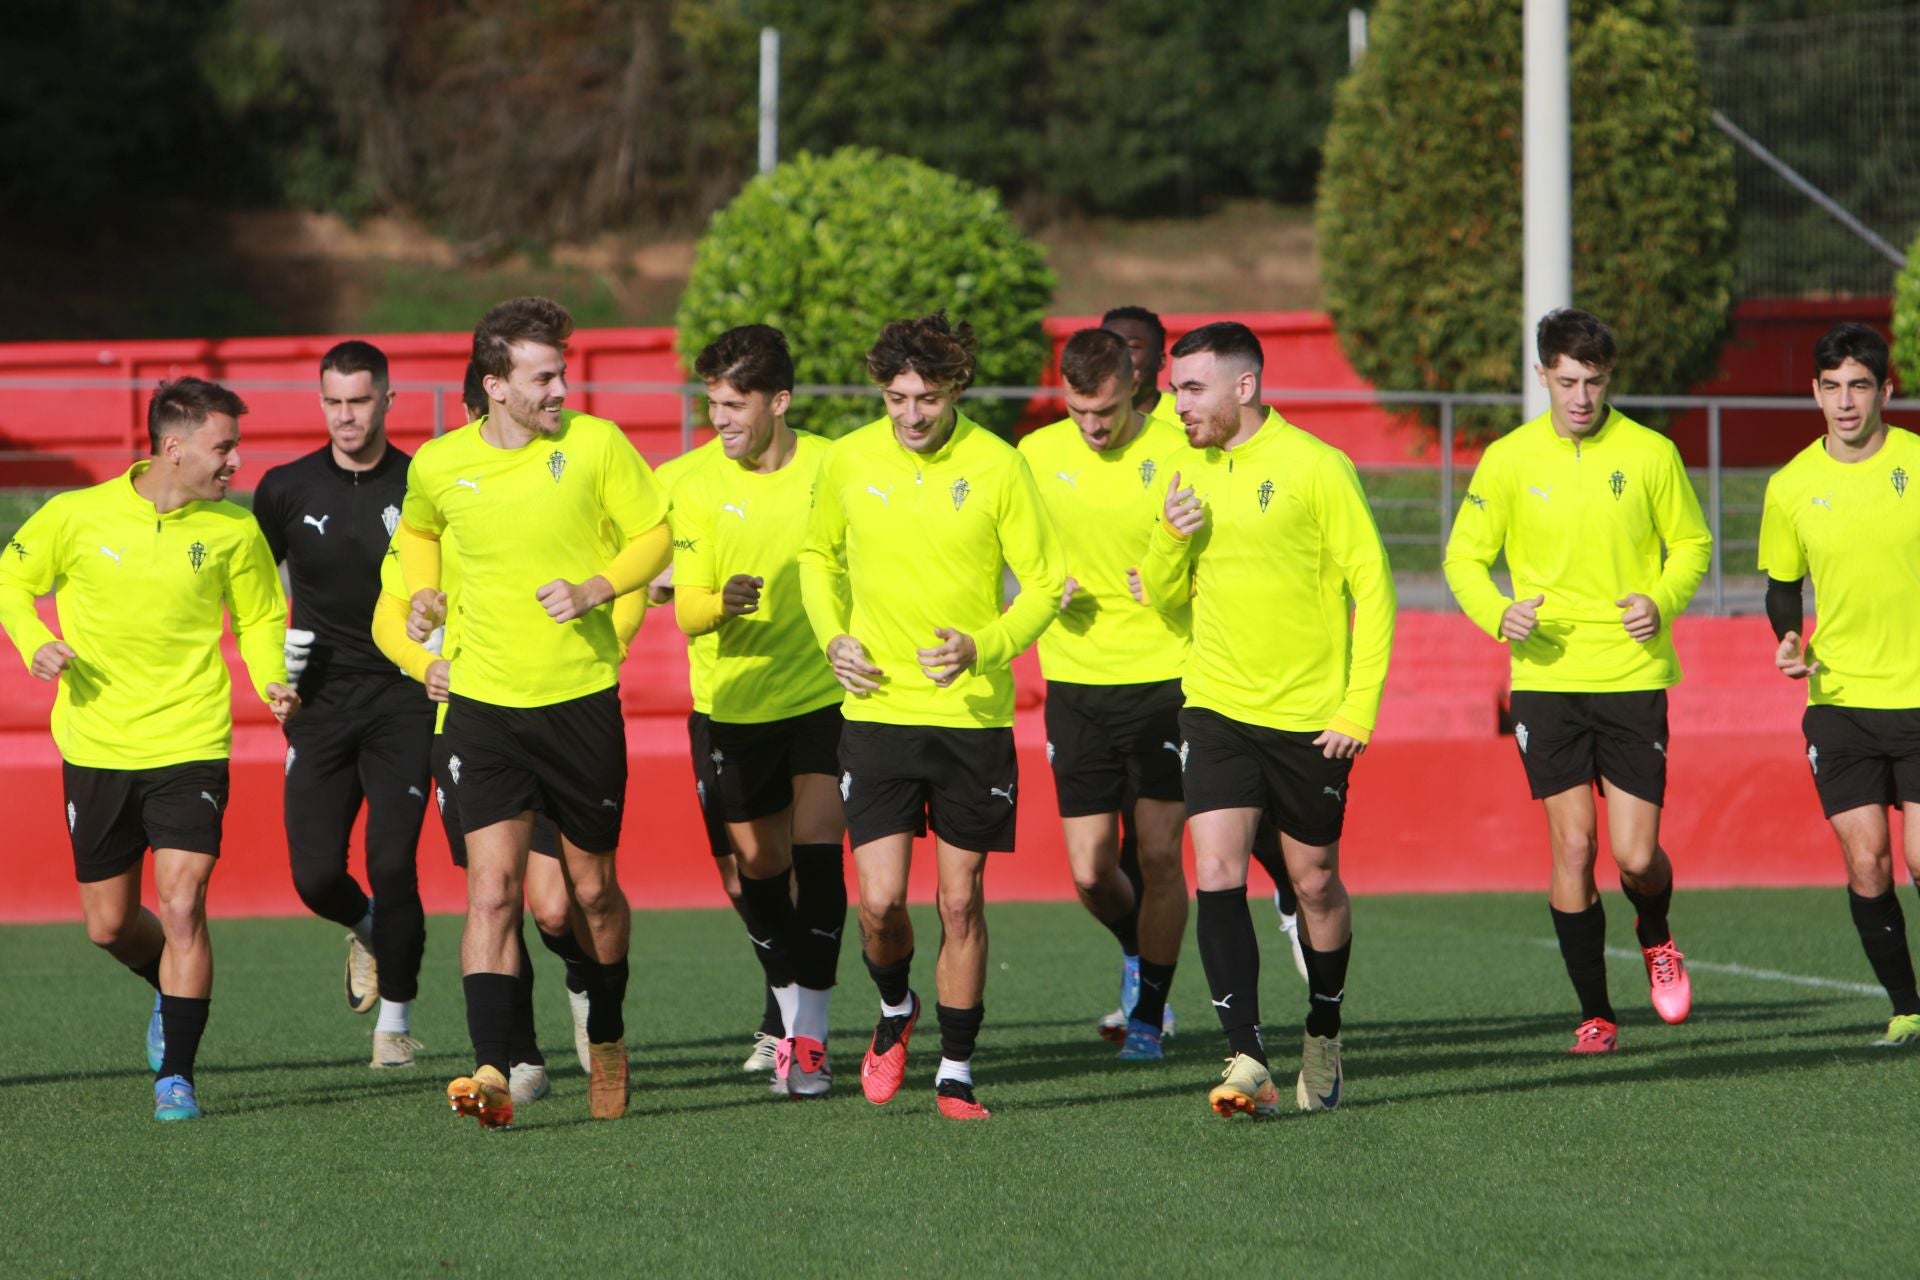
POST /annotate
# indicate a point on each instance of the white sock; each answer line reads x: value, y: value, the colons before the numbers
x: 900, y: 1010
x: 395, y: 1015
x: 364, y: 930
x: 951, y: 1070
x: 788, y: 998
x: 811, y: 1019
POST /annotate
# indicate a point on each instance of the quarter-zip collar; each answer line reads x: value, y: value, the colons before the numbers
x: 389, y: 459
x: 921, y: 461
x: 1581, y: 445
x: 1271, y: 433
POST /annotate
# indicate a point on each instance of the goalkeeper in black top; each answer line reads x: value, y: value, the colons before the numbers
x: 328, y: 517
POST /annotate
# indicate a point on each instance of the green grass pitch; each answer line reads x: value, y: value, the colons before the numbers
x: 1763, y: 1137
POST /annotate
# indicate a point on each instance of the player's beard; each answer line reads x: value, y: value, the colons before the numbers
x: 1217, y: 428
x: 531, y: 415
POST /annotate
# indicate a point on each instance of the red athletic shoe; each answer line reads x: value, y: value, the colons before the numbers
x: 484, y: 1096
x: 1596, y: 1035
x: 957, y: 1101
x: 1667, y: 975
x: 885, y: 1065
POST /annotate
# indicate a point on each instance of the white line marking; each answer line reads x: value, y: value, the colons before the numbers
x: 1744, y: 971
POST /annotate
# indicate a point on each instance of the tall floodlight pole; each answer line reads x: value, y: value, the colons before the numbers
x: 1548, y: 164
x: 769, y: 98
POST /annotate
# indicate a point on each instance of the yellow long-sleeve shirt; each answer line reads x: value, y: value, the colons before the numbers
x: 902, y: 543
x: 702, y: 651
x: 139, y: 596
x: 1582, y: 524
x: 1293, y: 601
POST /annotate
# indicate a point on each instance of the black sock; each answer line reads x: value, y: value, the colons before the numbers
x: 820, y: 914
x: 1651, y: 924
x: 1230, y: 955
x: 490, y: 998
x: 772, y: 1021
x: 1883, y: 936
x: 150, y: 971
x: 959, y: 1029
x: 1327, y: 983
x: 1155, y: 981
x: 1583, y: 945
x: 766, y: 905
x: 521, y: 1045
x: 891, y: 978
x: 183, y: 1020
x: 606, y: 1001
x: 567, y: 947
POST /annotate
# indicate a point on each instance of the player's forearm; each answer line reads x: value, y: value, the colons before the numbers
x: 643, y: 559
x: 21, y: 621
x: 1009, y: 635
x: 1471, y: 581
x: 1374, y: 607
x: 629, y: 611
x: 419, y: 558
x: 390, y: 637
x: 698, y: 610
x: 825, y: 597
x: 1164, y: 572
x: 1688, y: 558
x: 1786, y: 608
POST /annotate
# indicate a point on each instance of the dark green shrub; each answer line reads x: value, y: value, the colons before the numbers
x: 829, y: 248
x: 1906, y: 322
x: 1419, y: 210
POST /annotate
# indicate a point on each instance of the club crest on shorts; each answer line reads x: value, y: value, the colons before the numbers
x: 719, y: 759
x: 556, y: 463
x: 453, y: 769
x: 390, y: 519
x: 1813, y: 759
x: 1266, y: 494
x: 1147, y: 469
x: 1520, y: 736
x: 1899, y: 478
x: 197, y: 554
x: 846, y: 786
x: 1618, y: 483
x: 72, y: 817
x: 291, y: 755
x: 960, y: 491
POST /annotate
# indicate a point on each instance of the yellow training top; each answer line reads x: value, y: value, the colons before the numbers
x: 139, y: 596
x: 1582, y: 523
x: 523, y: 518
x: 702, y: 651
x: 1289, y: 552
x: 1855, y: 526
x: 902, y: 543
x: 1104, y: 504
x: 728, y: 520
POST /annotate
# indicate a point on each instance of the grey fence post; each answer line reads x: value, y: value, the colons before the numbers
x: 1713, y: 507
x: 439, y: 411
x: 1446, y: 477
x: 686, y: 421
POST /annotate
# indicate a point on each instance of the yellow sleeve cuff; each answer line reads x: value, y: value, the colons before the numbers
x: 1352, y: 728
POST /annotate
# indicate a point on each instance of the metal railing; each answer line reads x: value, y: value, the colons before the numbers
x: 1446, y: 406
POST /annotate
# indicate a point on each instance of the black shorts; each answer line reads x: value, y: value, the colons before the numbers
x: 706, y: 787
x: 754, y: 765
x: 1863, y: 756
x: 1567, y: 740
x: 546, y: 836
x: 1113, y: 743
x: 115, y: 815
x: 1229, y: 764
x: 898, y: 778
x: 568, y: 760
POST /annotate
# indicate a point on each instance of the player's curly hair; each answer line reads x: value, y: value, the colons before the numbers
x: 1569, y: 331
x: 538, y: 320
x: 932, y: 346
x: 749, y: 358
x: 183, y: 404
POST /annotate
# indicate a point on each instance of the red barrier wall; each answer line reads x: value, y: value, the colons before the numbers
x: 94, y: 433
x: 1439, y: 801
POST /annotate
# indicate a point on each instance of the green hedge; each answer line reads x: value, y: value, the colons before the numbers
x: 1906, y: 322
x: 1419, y: 212
x: 829, y: 248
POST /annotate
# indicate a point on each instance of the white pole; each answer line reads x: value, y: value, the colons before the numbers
x: 1548, y: 163
x: 769, y: 98
x: 1356, y: 35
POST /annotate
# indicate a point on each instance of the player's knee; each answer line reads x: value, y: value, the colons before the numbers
x: 600, y: 896
x: 182, y: 911
x: 316, y: 883
x: 881, y: 912
x: 491, y: 897
x: 109, y: 928
x: 961, y: 910
x: 1160, y: 867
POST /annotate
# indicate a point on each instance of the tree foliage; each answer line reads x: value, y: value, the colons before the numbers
x: 829, y: 248
x: 1419, y: 213
x: 1906, y: 321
